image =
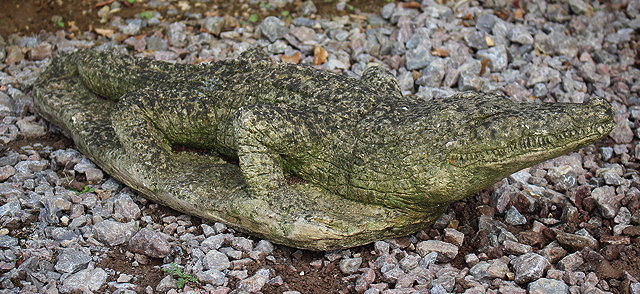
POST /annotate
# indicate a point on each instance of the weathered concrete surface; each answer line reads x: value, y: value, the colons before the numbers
x: 375, y: 164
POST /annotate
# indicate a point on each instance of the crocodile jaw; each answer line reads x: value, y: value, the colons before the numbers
x: 541, y: 134
x: 531, y: 149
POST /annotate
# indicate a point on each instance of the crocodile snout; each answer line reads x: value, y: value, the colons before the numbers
x: 521, y: 134
x: 592, y: 120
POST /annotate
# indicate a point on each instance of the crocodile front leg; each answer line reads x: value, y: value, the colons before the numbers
x: 265, y: 134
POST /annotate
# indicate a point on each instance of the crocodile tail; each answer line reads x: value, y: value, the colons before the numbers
x: 108, y: 75
x: 84, y: 63
x: 61, y: 67
x: 60, y: 96
x: 112, y: 75
x: 58, y: 76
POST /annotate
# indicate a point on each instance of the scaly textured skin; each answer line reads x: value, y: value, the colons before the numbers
x: 375, y: 164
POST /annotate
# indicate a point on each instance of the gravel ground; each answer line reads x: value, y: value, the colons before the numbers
x: 569, y: 225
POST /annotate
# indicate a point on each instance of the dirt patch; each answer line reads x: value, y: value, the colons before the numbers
x: 50, y: 139
x: 144, y: 275
x: 27, y: 16
x: 624, y: 259
x: 294, y: 266
x: 32, y: 16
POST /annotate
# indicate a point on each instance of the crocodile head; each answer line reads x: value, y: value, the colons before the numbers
x: 499, y: 133
x: 451, y: 148
x: 487, y: 137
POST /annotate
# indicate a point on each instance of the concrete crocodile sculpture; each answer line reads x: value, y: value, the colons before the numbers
x: 373, y: 163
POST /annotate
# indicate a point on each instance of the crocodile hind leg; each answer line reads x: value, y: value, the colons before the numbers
x: 149, y: 122
x: 144, y: 143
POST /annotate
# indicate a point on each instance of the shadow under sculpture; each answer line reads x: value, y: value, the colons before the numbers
x: 374, y: 164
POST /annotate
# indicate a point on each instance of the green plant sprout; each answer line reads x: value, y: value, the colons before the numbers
x: 146, y: 14
x: 253, y: 18
x: 86, y: 189
x: 265, y: 5
x: 58, y: 21
x: 131, y: 1
x: 182, y: 278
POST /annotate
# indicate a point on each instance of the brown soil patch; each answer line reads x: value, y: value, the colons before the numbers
x: 625, y: 259
x: 144, y: 275
x: 50, y: 139
x: 33, y: 16
x: 19, y: 16
x: 298, y: 275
